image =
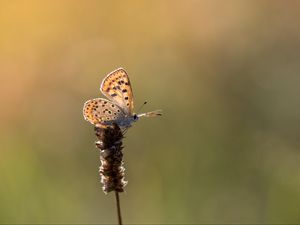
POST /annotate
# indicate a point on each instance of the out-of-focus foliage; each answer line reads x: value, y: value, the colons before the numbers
x: 225, y: 73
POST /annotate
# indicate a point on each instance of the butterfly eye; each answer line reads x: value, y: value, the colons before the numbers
x: 135, y: 117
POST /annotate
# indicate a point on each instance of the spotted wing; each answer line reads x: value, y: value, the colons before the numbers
x: 101, y: 111
x: 116, y: 87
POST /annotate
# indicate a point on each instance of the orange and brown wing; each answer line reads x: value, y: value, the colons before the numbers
x: 116, y: 87
x: 101, y: 111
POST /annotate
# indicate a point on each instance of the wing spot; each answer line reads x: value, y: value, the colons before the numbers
x: 112, y: 105
x: 124, y: 90
x: 126, y: 83
x: 109, y: 112
x: 126, y: 98
x: 127, y: 104
x: 118, y: 110
x: 113, y: 95
x: 107, y: 90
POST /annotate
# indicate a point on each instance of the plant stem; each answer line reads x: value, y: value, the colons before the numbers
x: 118, y: 208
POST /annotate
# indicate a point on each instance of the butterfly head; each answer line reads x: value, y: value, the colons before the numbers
x: 135, y: 117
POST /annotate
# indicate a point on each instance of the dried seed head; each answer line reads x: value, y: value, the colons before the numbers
x: 111, y: 157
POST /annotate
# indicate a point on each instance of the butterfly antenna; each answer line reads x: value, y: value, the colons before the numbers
x: 145, y: 102
x: 154, y: 113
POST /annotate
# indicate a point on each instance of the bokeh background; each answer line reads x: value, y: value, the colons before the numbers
x: 225, y: 73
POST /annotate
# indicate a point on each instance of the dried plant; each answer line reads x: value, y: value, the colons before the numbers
x: 111, y: 156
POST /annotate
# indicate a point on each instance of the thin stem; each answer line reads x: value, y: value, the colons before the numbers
x: 118, y: 208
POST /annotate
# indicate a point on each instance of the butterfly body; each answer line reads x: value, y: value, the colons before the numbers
x: 124, y: 122
x: 118, y: 109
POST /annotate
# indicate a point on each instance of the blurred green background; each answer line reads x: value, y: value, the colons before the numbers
x: 225, y: 73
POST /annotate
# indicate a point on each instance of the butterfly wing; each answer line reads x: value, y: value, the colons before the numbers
x: 101, y: 111
x: 116, y: 87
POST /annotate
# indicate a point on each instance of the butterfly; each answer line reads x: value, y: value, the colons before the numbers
x: 118, y: 108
